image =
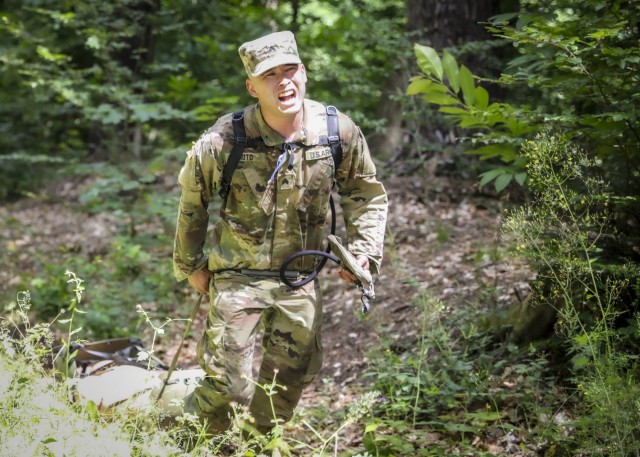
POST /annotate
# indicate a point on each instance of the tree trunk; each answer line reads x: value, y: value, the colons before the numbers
x: 388, y: 143
x: 441, y: 24
x: 295, y: 9
x: 137, y: 53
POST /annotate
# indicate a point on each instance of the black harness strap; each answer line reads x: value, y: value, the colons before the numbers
x: 239, y: 144
x: 333, y: 135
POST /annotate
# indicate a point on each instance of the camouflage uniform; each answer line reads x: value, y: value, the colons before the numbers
x: 267, y: 217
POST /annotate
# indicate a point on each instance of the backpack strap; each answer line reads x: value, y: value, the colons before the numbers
x: 239, y: 144
x: 333, y: 135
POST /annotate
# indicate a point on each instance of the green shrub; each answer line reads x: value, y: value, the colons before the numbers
x: 570, y: 134
x: 562, y: 232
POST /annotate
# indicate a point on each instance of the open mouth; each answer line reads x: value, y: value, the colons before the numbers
x: 286, y: 96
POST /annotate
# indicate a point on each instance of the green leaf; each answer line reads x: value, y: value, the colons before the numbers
x: 46, y: 54
x: 130, y: 185
x: 468, y: 85
x: 451, y: 70
x: 505, y: 152
x: 460, y: 428
x: 440, y: 99
x: 93, y: 42
x: 439, y: 88
x: 490, y: 175
x: 482, y: 98
x: 580, y: 361
x: 453, y: 110
x: 92, y: 410
x: 604, y: 33
x: 520, y: 177
x: 471, y: 121
x: 371, y: 428
x: 503, y: 181
x: 418, y: 85
x: 516, y: 127
x: 485, y: 416
x: 107, y: 114
x: 503, y: 18
x: 428, y: 60
x: 582, y: 339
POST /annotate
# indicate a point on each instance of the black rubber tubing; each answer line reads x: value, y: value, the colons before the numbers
x: 326, y: 255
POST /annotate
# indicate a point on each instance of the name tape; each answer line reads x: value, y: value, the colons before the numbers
x: 315, y: 154
x: 252, y: 157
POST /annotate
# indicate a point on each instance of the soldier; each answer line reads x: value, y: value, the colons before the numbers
x: 276, y: 205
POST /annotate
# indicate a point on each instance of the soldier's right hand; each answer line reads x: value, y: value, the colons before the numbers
x: 199, y: 280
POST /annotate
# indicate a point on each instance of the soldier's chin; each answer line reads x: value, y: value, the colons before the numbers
x: 293, y: 104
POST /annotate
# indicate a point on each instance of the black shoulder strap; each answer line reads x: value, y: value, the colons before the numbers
x: 333, y: 135
x: 239, y: 144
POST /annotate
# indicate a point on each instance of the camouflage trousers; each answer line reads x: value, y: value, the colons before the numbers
x: 291, y: 348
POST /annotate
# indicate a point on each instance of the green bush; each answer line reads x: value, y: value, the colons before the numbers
x: 561, y: 232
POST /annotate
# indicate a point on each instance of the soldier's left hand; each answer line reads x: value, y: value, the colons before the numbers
x: 199, y: 280
x: 346, y: 275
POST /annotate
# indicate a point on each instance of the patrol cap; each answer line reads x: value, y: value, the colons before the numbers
x: 269, y: 51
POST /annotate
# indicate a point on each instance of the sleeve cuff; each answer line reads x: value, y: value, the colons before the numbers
x: 182, y: 273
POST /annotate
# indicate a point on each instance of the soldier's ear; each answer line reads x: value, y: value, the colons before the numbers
x: 251, y: 89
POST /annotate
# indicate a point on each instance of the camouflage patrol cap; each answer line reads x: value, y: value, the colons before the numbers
x: 269, y: 51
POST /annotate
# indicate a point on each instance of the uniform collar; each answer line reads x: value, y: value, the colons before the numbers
x: 309, y: 135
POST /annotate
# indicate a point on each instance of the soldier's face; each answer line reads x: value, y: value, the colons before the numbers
x: 280, y: 90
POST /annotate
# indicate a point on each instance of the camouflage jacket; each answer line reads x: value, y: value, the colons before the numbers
x: 270, y: 215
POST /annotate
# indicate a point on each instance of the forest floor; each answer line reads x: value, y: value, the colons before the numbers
x: 443, y: 238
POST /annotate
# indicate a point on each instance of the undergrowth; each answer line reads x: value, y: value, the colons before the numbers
x: 43, y: 416
x: 457, y: 390
x: 130, y: 260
